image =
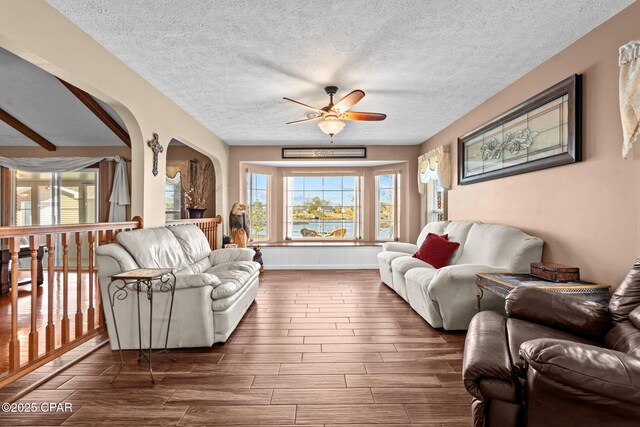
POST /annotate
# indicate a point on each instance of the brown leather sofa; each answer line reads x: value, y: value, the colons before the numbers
x: 556, y: 360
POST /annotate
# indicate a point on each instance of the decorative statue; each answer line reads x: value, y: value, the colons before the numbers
x: 239, y: 224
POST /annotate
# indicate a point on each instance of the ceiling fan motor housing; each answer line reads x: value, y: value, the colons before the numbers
x: 331, y: 90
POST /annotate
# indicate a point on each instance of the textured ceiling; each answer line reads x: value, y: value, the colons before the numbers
x: 41, y: 102
x: 423, y: 63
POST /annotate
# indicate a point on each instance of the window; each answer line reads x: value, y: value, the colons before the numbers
x: 55, y: 198
x: 258, y: 205
x: 173, y: 197
x: 436, y: 201
x: 386, y: 206
x: 323, y: 207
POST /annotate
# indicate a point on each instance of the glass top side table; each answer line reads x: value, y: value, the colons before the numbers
x: 147, y: 280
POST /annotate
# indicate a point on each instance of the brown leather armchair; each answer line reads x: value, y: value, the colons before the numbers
x: 557, y: 360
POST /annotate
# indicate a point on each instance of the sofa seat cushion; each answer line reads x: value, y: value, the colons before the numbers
x: 153, y: 248
x: 250, y: 267
x: 520, y: 331
x: 232, y: 282
x: 402, y: 265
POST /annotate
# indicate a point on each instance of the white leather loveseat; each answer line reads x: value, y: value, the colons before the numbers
x: 214, y: 289
x: 446, y: 298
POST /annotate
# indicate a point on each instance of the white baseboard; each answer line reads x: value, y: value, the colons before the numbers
x: 324, y: 267
x: 320, y: 257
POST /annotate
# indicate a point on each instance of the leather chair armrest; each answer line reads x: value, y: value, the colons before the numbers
x: 220, y: 256
x: 408, y: 248
x: 595, y: 370
x: 566, y: 312
x: 486, y: 368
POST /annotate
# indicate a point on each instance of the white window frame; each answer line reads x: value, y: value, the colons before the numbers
x: 249, y: 202
x: 395, y: 222
x: 358, y: 206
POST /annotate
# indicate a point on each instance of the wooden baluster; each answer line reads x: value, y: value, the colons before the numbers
x: 50, y: 331
x: 102, y: 237
x: 65, y: 288
x: 78, y: 317
x: 91, y: 314
x: 33, y: 334
x: 14, y: 342
x: 215, y: 236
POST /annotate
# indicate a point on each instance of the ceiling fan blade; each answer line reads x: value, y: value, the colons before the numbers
x: 303, y: 120
x: 303, y: 105
x: 348, y: 101
x: 369, y: 117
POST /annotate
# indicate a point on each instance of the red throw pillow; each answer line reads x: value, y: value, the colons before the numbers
x: 436, y: 250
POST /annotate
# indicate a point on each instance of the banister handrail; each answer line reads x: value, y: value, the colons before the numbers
x: 38, y: 230
x: 217, y: 219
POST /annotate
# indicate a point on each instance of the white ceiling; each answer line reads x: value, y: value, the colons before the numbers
x: 423, y: 63
x: 41, y: 102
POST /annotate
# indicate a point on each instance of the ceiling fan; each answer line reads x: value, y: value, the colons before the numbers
x: 331, y: 117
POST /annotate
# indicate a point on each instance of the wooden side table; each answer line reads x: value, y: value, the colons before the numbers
x: 142, y: 280
x: 502, y: 283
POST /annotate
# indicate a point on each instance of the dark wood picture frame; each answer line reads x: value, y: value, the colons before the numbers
x: 571, y: 87
x: 323, y: 152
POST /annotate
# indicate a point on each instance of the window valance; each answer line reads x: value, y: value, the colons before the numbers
x: 119, y: 198
x: 434, y: 164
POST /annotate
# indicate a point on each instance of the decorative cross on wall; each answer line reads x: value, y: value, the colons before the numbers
x: 157, y: 148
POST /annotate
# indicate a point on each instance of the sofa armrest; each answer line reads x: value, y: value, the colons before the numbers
x: 487, y: 371
x: 595, y: 370
x: 220, y: 256
x: 118, y: 255
x: 408, y: 248
x: 566, y: 312
x: 466, y: 272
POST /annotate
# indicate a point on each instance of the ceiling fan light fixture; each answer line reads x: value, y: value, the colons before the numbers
x: 331, y: 125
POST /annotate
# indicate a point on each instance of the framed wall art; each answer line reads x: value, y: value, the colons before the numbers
x: 540, y: 133
x: 325, y: 153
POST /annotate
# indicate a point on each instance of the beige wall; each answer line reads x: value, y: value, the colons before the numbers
x: 37, y: 32
x: 587, y: 213
x: 406, y: 162
x: 182, y: 152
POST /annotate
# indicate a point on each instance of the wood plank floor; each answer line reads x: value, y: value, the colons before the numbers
x: 317, y: 348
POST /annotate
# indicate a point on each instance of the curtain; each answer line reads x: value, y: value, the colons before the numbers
x: 119, y: 192
x: 50, y: 164
x: 630, y: 94
x: 434, y: 164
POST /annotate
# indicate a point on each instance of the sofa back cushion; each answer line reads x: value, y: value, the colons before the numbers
x: 193, y: 242
x: 501, y: 246
x: 153, y: 248
x: 627, y: 297
x: 458, y: 232
x: 624, y: 337
x: 432, y: 227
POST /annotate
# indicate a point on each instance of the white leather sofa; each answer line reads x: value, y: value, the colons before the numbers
x: 214, y: 289
x: 446, y: 298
